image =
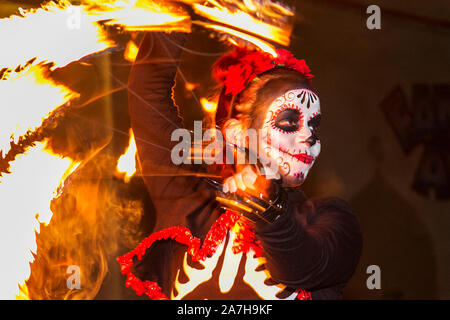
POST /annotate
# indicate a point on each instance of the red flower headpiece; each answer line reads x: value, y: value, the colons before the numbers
x: 238, y: 68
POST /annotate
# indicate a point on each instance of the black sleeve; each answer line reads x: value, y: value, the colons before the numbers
x: 313, y: 246
x: 178, y: 199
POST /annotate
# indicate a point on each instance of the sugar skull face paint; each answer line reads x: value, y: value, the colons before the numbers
x: 289, y: 134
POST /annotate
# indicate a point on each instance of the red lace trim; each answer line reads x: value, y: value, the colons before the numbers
x: 245, y: 241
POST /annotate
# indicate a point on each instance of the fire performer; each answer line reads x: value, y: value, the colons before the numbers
x: 272, y: 242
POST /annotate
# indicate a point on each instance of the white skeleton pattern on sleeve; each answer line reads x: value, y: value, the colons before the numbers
x: 228, y: 273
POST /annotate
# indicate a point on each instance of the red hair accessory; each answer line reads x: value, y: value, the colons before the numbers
x: 237, y: 69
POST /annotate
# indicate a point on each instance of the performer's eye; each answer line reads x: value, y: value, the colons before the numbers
x: 288, y: 120
x: 314, y: 123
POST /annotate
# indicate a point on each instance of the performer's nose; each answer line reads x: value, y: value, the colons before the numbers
x: 311, y: 140
x: 307, y: 136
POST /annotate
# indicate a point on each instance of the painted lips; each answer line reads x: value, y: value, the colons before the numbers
x: 303, y: 157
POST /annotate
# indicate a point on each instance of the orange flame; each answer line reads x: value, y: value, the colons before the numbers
x: 208, y: 106
x: 136, y: 15
x: 244, y: 21
x: 91, y: 220
x: 127, y: 162
x: 31, y: 97
x: 191, y: 86
x: 131, y: 51
x: 82, y: 220
x: 37, y: 33
x: 25, y: 197
x: 263, y: 45
x: 81, y: 26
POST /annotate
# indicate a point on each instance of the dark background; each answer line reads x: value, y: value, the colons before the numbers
x: 404, y: 215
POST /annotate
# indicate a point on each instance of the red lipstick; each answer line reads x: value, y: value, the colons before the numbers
x: 303, y: 157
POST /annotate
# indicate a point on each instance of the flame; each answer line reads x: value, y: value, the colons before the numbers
x: 30, y: 96
x: 127, y: 162
x: 131, y: 51
x: 136, y: 15
x: 208, y: 106
x: 83, y: 215
x: 26, y: 194
x: 191, y: 86
x: 92, y: 219
x: 37, y: 33
x: 83, y: 26
x: 250, y: 20
x: 263, y: 45
x: 244, y: 21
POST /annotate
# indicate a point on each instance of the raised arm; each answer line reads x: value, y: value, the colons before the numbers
x: 178, y: 199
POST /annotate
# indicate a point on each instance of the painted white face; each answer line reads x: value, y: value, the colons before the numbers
x: 289, y: 136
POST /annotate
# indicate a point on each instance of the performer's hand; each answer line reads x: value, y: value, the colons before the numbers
x: 242, y: 180
x: 249, y: 181
x: 252, y: 195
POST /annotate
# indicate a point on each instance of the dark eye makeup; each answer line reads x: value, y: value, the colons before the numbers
x: 314, y: 122
x: 288, y: 120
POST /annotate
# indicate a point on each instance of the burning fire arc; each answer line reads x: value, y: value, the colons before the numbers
x: 35, y: 42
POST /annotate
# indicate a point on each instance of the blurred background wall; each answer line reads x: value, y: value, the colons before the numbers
x: 405, y: 233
